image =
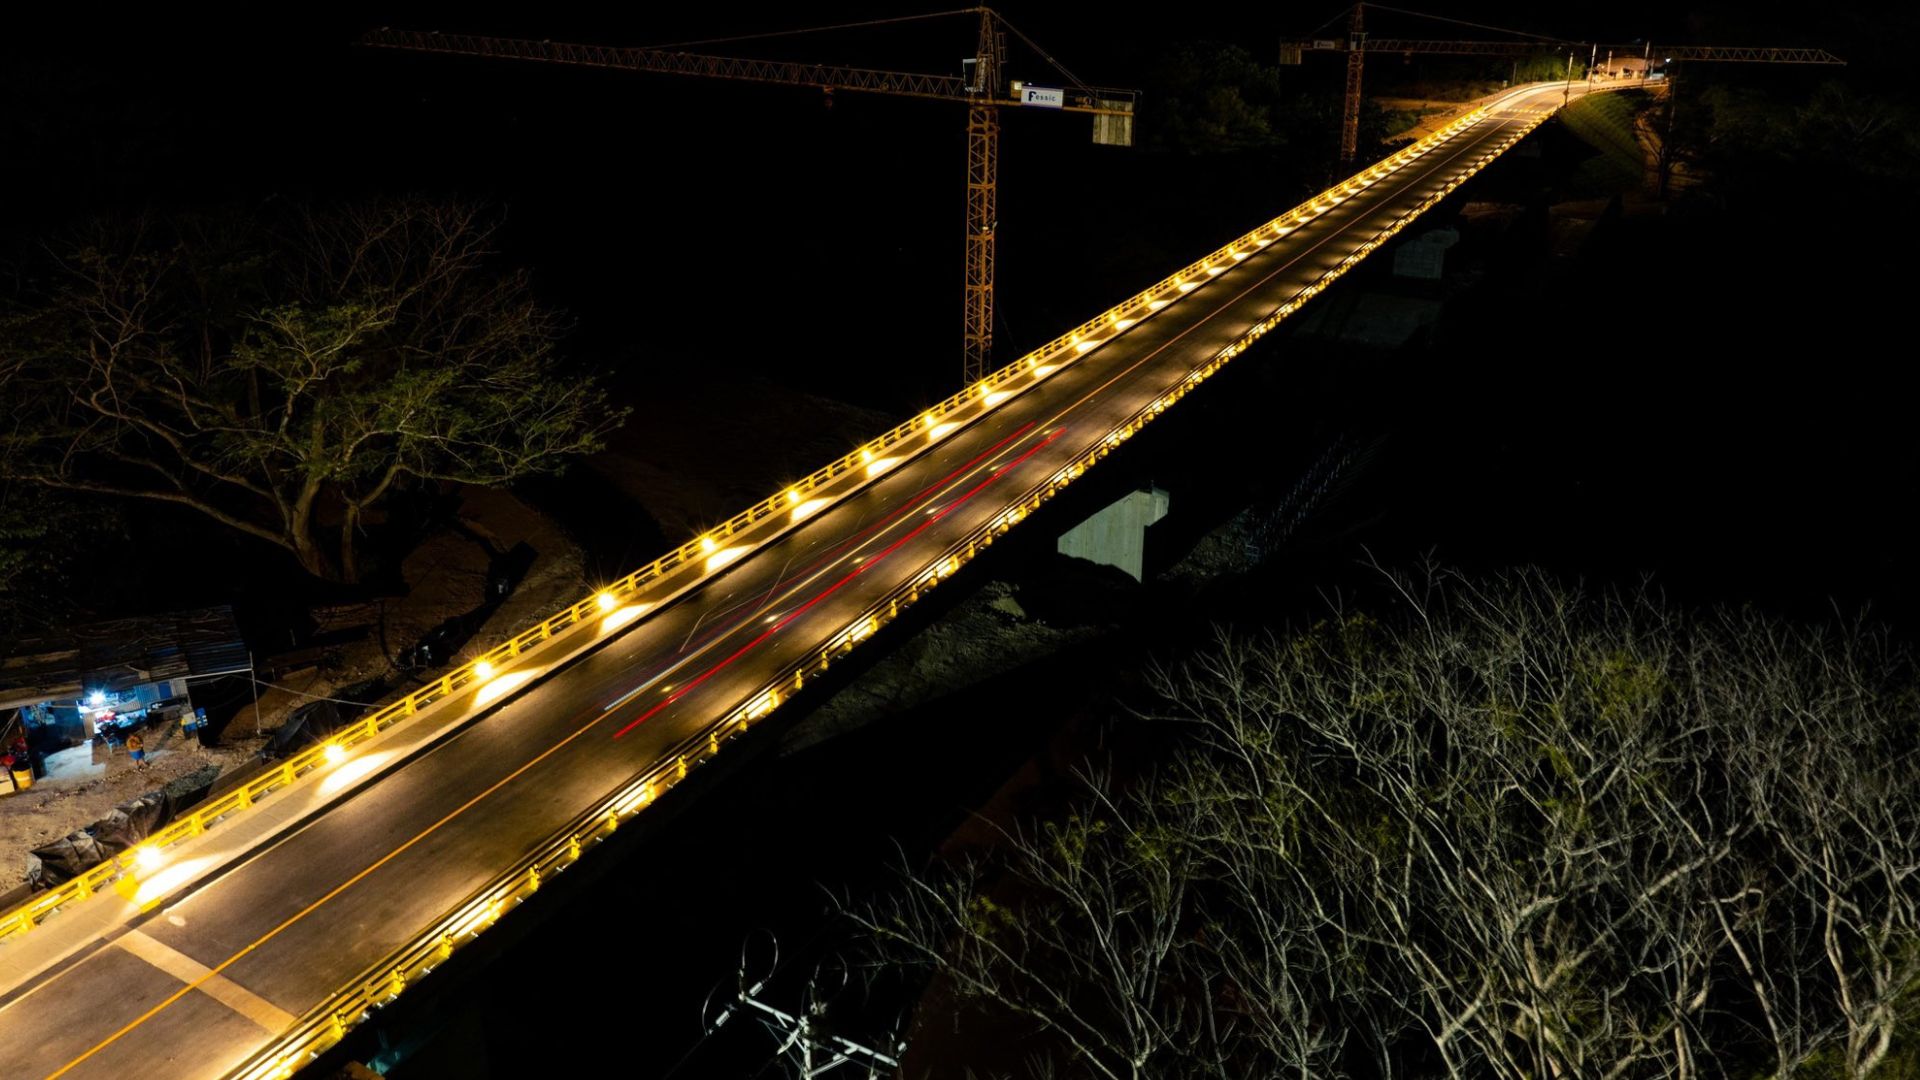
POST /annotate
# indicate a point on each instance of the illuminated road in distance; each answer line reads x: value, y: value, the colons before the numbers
x: 209, y: 979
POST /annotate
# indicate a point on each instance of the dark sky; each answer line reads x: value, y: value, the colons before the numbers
x: 624, y: 194
x: 1080, y: 32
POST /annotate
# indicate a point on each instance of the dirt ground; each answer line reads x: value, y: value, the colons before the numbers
x: 1432, y: 115
x: 446, y: 576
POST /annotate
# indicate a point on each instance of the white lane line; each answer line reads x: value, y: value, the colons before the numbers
x: 266, y: 1014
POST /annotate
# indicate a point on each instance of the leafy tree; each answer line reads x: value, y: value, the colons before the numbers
x: 1210, y: 98
x: 34, y: 554
x: 285, y: 372
x: 1760, y: 148
x: 1547, y: 67
x: 46, y: 539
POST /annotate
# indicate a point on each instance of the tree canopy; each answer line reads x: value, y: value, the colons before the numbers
x: 1511, y: 829
x: 284, y: 371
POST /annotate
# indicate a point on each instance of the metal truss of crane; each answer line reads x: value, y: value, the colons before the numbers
x: 1739, y: 54
x: 984, y: 93
x: 1735, y: 53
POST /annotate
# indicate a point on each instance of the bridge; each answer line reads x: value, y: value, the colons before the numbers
x: 257, y: 931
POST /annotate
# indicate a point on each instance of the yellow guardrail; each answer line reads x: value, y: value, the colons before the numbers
x: 385, y: 980
x: 1068, y: 347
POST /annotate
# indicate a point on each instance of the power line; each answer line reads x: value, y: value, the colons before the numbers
x: 1337, y: 16
x: 1044, y: 55
x: 314, y: 697
x: 1475, y: 25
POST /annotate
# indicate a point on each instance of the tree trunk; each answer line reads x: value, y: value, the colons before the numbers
x: 349, y: 562
x: 313, y: 558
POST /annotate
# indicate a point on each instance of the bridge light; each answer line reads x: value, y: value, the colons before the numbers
x: 149, y: 858
x: 335, y: 753
x: 483, y: 670
x: 606, y: 601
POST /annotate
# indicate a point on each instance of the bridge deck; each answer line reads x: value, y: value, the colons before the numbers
x: 286, y: 926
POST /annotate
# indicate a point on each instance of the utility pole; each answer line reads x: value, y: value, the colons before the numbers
x: 805, y: 1038
x: 1666, y: 138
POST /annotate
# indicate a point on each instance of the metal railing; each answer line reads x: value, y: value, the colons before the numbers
x: 988, y: 392
x: 380, y: 983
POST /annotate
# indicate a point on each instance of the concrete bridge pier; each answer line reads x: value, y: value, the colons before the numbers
x: 1117, y: 535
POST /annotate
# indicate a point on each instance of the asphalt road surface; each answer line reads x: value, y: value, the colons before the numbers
x: 287, y: 926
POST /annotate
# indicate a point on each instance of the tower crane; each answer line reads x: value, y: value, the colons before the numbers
x: 982, y: 88
x: 1357, y: 45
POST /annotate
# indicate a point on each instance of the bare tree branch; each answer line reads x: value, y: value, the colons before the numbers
x: 271, y: 373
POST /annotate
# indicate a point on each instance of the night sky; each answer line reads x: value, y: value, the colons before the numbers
x: 726, y: 207
x: 1725, y: 407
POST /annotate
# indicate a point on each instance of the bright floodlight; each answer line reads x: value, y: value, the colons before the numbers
x: 335, y: 753
x: 606, y: 601
x: 483, y: 670
x: 96, y: 699
x: 149, y: 858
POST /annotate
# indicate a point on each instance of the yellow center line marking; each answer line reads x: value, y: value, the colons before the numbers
x: 198, y: 976
x: 356, y: 879
x: 214, y: 973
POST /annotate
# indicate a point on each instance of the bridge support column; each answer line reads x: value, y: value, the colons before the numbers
x: 1117, y: 536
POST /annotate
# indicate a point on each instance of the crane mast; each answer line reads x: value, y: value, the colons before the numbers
x: 982, y: 91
